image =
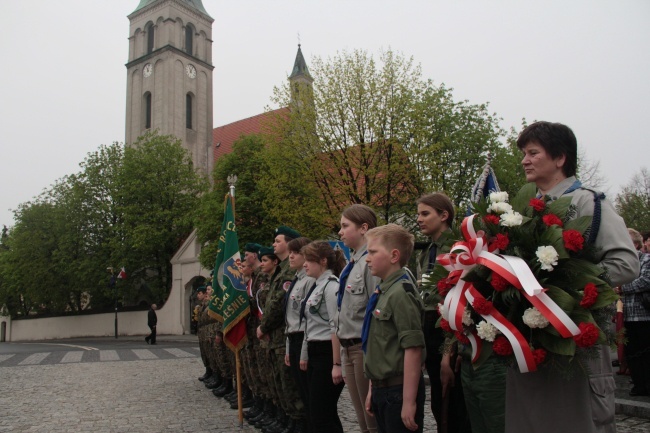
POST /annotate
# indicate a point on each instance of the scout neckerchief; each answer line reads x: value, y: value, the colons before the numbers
x: 370, y: 308
x: 303, y: 304
x: 343, y: 279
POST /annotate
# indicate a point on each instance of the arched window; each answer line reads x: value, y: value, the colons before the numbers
x: 147, y: 110
x: 150, y: 38
x: 189, y: 39
x: 188, y: 111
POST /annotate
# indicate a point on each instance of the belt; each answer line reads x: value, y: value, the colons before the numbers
x: 384, y: 383
x: 296, y: 336
x: 349, y: 342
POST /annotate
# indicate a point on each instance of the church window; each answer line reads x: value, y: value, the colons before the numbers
x: 150, y: 38
x: 188, y: 111
x: 189, y: 41
x: 147, y: 110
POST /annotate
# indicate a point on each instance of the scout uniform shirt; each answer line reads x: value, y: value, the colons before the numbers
x: 396, y: 325
x: 320, y: 308
x: 358, y: 288
x: 294, y: 298
x: 273, y: 319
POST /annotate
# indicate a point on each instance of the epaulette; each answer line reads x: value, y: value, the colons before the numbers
x: 332, y: 278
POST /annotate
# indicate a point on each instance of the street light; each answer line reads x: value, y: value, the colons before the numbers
x: 114, y: 285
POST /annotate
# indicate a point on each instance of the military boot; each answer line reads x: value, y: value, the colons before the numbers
x: 257, y: 408
x: 279, y: 424
x: 226, y: 388
x: 213, y: 382
x: 291, y: 426
x: 207, y: 375
x: 246, y: 399
x: 268, y: 416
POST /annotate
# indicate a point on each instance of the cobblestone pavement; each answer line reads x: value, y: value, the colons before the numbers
x: 137, y: 396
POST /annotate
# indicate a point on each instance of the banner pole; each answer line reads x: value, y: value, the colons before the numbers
x: 239, y: 395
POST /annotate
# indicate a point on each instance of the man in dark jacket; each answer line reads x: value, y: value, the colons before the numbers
x: 152, y: 321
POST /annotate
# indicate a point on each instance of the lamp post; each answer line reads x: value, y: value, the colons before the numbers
x: 113, y: 283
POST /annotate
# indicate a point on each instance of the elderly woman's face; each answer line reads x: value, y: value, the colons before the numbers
x: 539, y: 166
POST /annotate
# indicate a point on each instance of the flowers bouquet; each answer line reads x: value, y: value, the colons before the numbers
x: 523, y: 285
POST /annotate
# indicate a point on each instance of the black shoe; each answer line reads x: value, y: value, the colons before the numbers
x: 146, y: 339
x: 635, y: 392
x: 153, y: 344
x: 213, y: 383
x: 252, y: 413
x: 291, y: 426
x: 226, y: 388
x: 231, y: 396
x: 246, y: 403
x: 207, y: 375
x: 257, y: 419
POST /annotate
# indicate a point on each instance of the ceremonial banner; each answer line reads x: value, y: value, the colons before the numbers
x: 229, y: 303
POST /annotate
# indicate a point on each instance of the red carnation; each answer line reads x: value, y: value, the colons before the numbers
x: 444, y: 324
x: 501, y: 241
x: 492, y: 219
x: 573, y: 240
x: 537, y: 204
x: 539, y: 355
x: 502, y: 346
x: 588, y: 335
x: 444, y: 286
x: 498, y: 282
x: 552, y: 219
x: 589, y: 298
x: 481, y: 306
x: 461, y: 337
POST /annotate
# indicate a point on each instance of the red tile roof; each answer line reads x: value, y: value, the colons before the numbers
x: 224, y: 136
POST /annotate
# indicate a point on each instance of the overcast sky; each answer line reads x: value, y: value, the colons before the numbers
x: 583, y: 63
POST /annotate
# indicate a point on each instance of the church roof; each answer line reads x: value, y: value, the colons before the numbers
x: 224, y: 136
x: 299, y: 66
x: 195, y: 4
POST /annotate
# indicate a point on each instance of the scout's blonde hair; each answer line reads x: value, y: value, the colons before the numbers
x: 394, y: 237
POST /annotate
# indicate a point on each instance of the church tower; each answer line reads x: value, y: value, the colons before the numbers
x: 301, y: 81
x: 169, y: 75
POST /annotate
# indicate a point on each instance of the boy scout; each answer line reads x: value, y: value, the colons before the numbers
x: 392, y: 336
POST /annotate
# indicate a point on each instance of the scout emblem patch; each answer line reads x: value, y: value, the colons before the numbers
x: 286, y: 285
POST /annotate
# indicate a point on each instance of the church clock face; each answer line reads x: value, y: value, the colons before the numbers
x: 190, y: 70
x: 147, y: 70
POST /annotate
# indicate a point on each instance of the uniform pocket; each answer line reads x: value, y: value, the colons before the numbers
x: 602, y: 399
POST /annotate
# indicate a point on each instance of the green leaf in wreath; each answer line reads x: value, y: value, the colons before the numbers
x: 563, y: 300
x: 605, y: 297
x: 561, y: 346
x: 521, y: 200
x: 580, y: 224
x: 560, y: 206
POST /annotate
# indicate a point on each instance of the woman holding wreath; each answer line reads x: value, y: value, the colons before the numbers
x: 540, y: 401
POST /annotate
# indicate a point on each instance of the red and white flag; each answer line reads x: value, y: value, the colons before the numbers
x: 122, y: 274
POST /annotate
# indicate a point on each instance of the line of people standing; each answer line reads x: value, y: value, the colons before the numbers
x: 317, y: 323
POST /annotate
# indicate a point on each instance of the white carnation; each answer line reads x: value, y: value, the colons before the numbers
x: 500, y: 207
x: 547, y: 256
x: 467, y: 318
x: 534, y: 319
x: 426, y: 278
x: 511, y: 219
x: 486, y: 331
x: 497, y: 197
x: 443, y: 311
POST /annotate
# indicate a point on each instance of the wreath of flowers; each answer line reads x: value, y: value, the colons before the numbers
x: 522, y: 284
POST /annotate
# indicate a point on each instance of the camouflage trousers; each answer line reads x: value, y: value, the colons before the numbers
x: 248, y: 356
x: 289, y: 395
x: 262, y: 367
x: 204, y: 348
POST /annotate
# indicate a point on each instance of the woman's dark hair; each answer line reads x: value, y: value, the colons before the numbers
x: 441, y: 203
x: 557, y: 140
x: 319, y: 250
x: 361, y: 214
x: 295, y: 245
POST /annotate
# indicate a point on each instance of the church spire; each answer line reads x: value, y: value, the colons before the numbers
x: 300, y: 67
x: 195, y: 4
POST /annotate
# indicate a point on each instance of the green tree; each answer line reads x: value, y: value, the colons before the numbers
x: 376, y: 133
x: 159, y: 193
x: 633, y: 203
x: 254, y: 224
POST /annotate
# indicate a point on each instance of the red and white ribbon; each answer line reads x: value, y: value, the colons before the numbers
x: 462, y: 258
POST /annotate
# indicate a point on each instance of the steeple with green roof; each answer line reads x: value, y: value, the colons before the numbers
x: 300, y: 67
x: 195, y: 4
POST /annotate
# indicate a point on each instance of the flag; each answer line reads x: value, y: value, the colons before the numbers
x: 122, y: 274
x: 485, y: 184
x: 229, y: 303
